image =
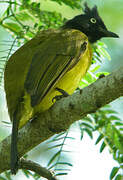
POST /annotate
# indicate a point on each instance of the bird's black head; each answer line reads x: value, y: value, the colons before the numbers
x: 91, y: 24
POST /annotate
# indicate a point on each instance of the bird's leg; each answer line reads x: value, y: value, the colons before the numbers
x: 101, y: 76
x: 63, y: 94
x: 14, y: 151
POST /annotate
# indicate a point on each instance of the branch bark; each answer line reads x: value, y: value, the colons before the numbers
x: 63, y: 113
x: 41, y: 171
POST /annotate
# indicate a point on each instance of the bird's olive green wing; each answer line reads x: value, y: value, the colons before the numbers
x: 49, y: 65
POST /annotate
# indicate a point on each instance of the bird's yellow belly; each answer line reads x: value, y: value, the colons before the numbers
x: 69, y: 82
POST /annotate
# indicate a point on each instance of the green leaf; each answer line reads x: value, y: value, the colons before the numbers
x: 119, y: 177
x: 118, y: 123
x: 8, y: 11
x: 55, y: 146
x: 100, y: 43
x: 14, y: 27
x: 65, y: 163
x: 99, y: 138
x: 60, y: 169
x: 8, y: 175
x: 60, y: 138
x: 114, y: 172
x: 26, y: 173
x: 61, y: 174
x: 96, y: 57
x: 87, y: 125
x: 25, y: 16
x: 115, y: 118
x: 110, y: 111
x: 81, y: 137
x: 60, y: 163
x: 90, y: 77
x: 83, y: 83
x: 105, y: 53
x: 58, y: 135
x: 66, y: 151
x: 95, y: 68
x: 102, y: 146
x: 88, y: 118
x: 89, y: 132
x: 121, y: 129
x: 53, y: 157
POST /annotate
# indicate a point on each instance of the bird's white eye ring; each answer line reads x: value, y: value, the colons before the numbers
x: 93, y: 20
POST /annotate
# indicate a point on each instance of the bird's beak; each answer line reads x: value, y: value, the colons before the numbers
x: 107, y: 33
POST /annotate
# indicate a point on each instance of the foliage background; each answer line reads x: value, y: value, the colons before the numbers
x: 53, y: 14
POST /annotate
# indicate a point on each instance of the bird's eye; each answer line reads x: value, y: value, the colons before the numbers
x: 93, y: 20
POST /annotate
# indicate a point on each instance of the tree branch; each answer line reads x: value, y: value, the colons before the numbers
x: 30, y: 165
x: 63, y: 113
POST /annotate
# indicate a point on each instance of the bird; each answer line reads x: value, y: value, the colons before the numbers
x: 49, y: 66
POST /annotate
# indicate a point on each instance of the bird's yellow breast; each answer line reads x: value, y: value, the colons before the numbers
x: 69, y: 82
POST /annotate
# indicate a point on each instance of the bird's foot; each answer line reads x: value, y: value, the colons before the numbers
x: 101, y: 76
x: 58, y: 97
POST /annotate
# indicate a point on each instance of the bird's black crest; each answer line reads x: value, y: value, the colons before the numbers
x: 89, y: 11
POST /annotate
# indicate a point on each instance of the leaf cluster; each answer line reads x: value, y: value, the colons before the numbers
x: 110, y: 127
x: 57, y: 162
